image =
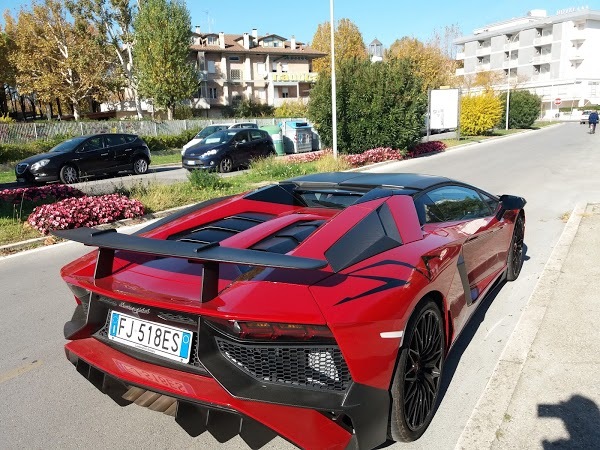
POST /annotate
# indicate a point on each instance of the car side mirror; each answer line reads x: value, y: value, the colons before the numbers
x: 510, y: 203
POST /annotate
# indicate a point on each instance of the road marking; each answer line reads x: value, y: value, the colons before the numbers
x: 19, y: 371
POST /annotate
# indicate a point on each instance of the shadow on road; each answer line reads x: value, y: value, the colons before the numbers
x: 581, y: 417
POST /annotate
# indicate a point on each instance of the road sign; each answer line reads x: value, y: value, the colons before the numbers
x: 557, y: 101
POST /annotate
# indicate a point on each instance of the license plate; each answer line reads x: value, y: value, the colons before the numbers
x: 190, y: 163
x: 21, y: 180
x: 164, y: 340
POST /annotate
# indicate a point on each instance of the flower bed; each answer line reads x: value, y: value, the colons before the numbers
x: 37, y: 193
x: 375, y: 155
x: 84, y: 212
x: 427, y: 147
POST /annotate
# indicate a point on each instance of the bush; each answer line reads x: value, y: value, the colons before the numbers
x: 5, y: 118
x: 427, y: 147
x: 479, y: 113
x: 166, y: 141
x: 524, y: 109
x: 39, y: 193
x: 203, y: 179
x: 375, y: 155
x: 291, y: 109
x: 248, y: 108
x: 84, y: 212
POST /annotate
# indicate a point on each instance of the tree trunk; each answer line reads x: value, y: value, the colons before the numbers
x: 49, y: 111
x: 59, y: 108
x: 75, y: 107
x: 138, y: 105
x: 170, y: 110
x: 3, y: 101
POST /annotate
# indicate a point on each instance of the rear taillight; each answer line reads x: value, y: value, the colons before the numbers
x: 273, y: 331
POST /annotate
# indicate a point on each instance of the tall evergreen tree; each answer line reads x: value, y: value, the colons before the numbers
x: 162, y: 33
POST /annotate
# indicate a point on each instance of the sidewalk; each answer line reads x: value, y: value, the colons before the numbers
x: 545, y: 390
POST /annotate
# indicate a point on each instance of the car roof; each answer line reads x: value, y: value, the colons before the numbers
x: 413, y: 181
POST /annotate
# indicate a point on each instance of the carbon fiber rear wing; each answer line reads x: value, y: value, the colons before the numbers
x: 210, y: 255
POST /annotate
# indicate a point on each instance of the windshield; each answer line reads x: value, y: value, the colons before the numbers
x: 68, y: 145
x: 221, y: 137
x: 209, y: 130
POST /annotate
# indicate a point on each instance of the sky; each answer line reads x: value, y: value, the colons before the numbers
x: 386, y: 20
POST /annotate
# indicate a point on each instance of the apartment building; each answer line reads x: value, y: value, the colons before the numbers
x: 267, y: 69
x: 554, y: 56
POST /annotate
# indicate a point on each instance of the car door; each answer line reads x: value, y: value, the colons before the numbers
x: 464, y: 214
x: 120, y: 151
x: 241, y: 150
x: 92, y: 157
x: 258, y: 143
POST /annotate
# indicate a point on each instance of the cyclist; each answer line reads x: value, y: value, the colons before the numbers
x: 593, y: 120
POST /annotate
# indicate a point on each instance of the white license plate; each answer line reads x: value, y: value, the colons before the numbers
x: 170, y: 342
x: 190, y: 163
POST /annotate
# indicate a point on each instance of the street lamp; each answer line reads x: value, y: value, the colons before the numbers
x: 333, y: 87
x: 510, y: 42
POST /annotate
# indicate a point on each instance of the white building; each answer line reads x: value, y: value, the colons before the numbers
x: 556, y: 57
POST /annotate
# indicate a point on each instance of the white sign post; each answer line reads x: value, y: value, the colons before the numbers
x: 443, y: 109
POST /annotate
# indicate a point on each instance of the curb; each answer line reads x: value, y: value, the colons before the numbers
x: 488, y: 414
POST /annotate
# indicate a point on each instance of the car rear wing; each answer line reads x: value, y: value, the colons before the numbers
x: 210, y: 255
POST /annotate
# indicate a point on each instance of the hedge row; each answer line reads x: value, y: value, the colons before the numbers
x: 10, y: 153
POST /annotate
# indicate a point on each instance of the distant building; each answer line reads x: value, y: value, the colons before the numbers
x: 556, y: 57
x: 231, y: 68
x: 376, y: 51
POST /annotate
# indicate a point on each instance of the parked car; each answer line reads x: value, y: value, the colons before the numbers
x: 322, y: 307
x: 207, y: 131
x: 585, y: 117
x: 228, y: 149
x: 86, y: 156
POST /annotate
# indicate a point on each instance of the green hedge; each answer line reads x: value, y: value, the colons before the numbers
x: 11, y: 153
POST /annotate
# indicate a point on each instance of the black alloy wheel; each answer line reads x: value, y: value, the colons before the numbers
x: 68, y: 174
x: 226, y: 165
x: 515, y: 253
x: 418, y: 374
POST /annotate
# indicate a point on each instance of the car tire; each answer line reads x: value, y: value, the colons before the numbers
x: 515, y: 252
x: 140, y: 165
x: 68, y: 174
x: 226, y: 165
x: 418, y: 374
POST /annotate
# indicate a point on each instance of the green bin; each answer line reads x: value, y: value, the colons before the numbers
x: 275, y: 132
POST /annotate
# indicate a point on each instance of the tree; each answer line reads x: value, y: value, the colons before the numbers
x: 7, y: 69
x: 524, y: 109
x: 432, y: 65
x: 348, y: 43
x: 379, y: 105
x: 115, y: 18
x: 479, y: 113
x: 161, y: 51
x: 58, y: 58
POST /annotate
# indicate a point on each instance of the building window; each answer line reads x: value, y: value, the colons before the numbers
x: 284, y: 67
x: 234, y: 58
x: 210, y: 65
x: 236, y: 99
x: 235, y: 74
x: 212, y: 40
x: 274, y: 67
x: 212, y: 93
x: 285, y: 93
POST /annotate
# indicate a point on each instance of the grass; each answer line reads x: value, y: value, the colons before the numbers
x: 171, y: 156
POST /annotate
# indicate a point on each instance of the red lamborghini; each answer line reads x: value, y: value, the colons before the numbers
x: 326, y: 302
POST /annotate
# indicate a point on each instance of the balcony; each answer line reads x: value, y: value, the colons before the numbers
x: 483, y: 51
x: 542, y: 40
x: 483, y: 67
x: 541, y: 59
x: 511, y: 45
x: 576, y: 56
x: 578, y: 35
x: 460, y: 55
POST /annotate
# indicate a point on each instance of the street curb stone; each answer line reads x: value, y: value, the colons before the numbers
x: 486, y: 419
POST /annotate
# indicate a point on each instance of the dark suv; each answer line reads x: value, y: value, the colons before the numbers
x: 228, y: 149
x: 86, y: 156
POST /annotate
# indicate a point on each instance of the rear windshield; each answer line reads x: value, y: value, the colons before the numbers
x: 210, y: 130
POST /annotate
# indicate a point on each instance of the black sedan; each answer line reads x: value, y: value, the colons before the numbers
x: 86, y: 156
x: 227, y: 149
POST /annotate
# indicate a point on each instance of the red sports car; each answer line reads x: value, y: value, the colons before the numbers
x: 326, y: 302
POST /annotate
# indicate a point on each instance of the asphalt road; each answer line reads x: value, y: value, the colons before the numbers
x: 46, y: 404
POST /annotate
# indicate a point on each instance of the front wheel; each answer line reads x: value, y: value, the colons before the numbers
x: 140, y: 166
x: 418, y: 374
x: 226, y: 165
x: 68, y: 174
x: 515, y: 253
